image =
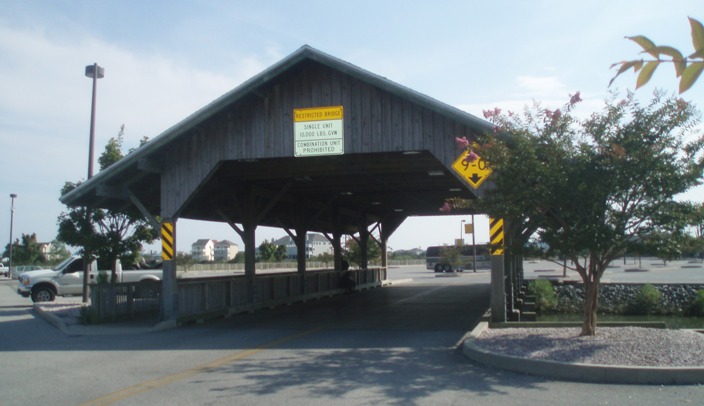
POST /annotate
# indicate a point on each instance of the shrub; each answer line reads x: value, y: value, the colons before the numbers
x: 103, y: 277
x: 696, y: 307
x: 646, y: 300
x: 545, y: 298
x: 89, y: 315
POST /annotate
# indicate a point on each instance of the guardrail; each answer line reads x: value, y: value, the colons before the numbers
x: 204, y: 298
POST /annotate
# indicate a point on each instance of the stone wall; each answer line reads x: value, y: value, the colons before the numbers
x: 615, y: 298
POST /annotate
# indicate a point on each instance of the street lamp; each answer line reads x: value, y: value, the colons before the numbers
x: 474, y: 247
x: 12, y: 223
x: 96, y: 72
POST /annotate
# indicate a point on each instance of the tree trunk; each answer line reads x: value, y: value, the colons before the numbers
x: 591, y: 304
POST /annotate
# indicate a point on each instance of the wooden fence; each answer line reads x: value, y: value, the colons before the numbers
x: 118, y: 301
x: 204, y: 298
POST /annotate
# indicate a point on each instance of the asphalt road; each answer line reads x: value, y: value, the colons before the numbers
x: 391, y: 346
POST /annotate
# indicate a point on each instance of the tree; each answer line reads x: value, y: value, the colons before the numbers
x: 58, y: 252
x: 688, y: 69
x: 270, y: 252
x: 184, y: 261
x: 354, y: 254
x: 592, y: 189
x: 107, y: 234
x: 25, y: 251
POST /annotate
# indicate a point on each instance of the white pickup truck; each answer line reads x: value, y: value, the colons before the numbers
x: 66, y: 279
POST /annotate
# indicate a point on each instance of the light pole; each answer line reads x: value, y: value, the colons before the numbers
x: 474, y: 247
x: 12, y: 223
x: 96, y: 72
x: 462, y: 232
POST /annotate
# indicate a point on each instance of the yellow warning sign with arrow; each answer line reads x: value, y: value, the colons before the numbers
x: 474, y: 171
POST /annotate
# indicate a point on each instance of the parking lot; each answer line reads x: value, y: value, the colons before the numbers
x: 394, y: 345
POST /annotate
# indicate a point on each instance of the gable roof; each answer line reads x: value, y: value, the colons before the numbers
x: 200, y: 116
x: 235, y: 149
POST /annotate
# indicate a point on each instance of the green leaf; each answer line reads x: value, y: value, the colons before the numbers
x: 697, y: 34
x: 690, y: 75
x: 699, y: 54
x: 646, y: 73
x: 644, y: 43
x: 677, y: 58
x: 669, y: 51
x: 625, y: 65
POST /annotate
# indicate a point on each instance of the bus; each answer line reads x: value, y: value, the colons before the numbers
x: 438, y: 258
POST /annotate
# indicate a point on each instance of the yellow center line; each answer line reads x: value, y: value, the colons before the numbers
x: 168, y: 379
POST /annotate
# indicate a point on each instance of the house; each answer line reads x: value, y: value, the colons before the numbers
x: 226, y: 250
x: 203, y: 250
x: 316, y: 244
x: 45, y: 248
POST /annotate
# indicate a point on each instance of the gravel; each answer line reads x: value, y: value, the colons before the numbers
x: 629, y: 346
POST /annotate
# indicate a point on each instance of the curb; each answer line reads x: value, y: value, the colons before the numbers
x: 100, y: 329
x: 581, y: 372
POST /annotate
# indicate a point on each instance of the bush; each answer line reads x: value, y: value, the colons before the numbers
x: 545, y: 298
x: 646, y: 301
x: 89, y: 315
x: 696, y: 308
x: 103, y: 277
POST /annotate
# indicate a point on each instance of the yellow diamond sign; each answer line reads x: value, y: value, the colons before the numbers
x: 474, y: 172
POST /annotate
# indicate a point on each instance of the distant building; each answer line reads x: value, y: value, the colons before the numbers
x: 316, y: 244
x: 45, y: 248
x: 226, y: 250
x: 203, y: 250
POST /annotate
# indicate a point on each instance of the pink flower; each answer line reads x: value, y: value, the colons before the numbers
x: 575, y: 98
x: 446, y: 208
x: 462, y: 142
x: 471, y: 157
x: 491, y: 113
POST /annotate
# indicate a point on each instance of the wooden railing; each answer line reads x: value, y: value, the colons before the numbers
x: 204, y: 298
x: 118, y: 301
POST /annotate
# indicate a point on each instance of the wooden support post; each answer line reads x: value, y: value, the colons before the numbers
x: 169, y: 294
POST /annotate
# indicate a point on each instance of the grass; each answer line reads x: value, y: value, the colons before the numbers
x: 673, y: 322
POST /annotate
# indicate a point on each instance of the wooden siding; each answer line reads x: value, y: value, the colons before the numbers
x: 260, y: 126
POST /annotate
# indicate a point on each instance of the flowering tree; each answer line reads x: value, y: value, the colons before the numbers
x: 688, y: 68
x: 595, y: 188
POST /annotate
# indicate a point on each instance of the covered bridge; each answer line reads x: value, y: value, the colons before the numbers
x: 311, y: 144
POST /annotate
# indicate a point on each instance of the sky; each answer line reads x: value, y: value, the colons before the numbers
x: 164, y: 60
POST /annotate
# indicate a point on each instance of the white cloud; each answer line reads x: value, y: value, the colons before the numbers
x: 45, y: 110
x: 545, y: 85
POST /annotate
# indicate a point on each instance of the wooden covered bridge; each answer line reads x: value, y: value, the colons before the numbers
x: 311, y: 144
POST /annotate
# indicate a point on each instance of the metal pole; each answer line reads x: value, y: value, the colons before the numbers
x: 462, y: 231
x: 95, y: 72
x: 92, y: 122
x: 474, y: 247
x: 12, y: 223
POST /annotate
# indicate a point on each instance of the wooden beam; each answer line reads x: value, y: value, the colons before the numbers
x: 142, y: 209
